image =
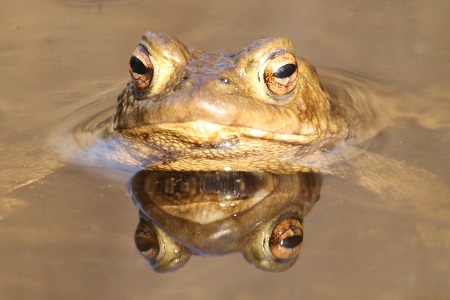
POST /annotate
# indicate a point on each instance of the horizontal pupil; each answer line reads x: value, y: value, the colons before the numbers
x: 285, y: 71
x: 292, y: 241
x: 137, y: 66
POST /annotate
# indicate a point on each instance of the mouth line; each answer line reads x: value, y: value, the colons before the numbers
x: 218, y: 135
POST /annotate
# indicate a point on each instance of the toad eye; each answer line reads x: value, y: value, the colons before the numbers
x: 281, y: 73
x: 286, y: 239
x: 141, y: 68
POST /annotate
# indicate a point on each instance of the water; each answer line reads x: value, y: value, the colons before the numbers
x: 67, y: 230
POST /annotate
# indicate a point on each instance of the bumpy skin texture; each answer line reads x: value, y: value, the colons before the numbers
x: 214, y: 111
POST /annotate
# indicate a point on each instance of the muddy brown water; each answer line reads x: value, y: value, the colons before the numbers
x: 67, y: 230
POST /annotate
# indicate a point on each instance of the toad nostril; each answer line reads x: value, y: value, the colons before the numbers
x: 224, y: 80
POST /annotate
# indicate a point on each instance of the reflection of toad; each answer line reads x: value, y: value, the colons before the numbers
x: 212, y: 213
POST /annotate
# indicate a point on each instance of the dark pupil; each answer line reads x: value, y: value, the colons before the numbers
x: 137, y: 66
x: 292, y: 241
x: 285, y: 71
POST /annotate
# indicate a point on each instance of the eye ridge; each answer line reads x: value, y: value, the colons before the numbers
x: 138, y: 66
x: 285, y: 71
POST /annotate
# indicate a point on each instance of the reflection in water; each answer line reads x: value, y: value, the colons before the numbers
x: 213, y: 213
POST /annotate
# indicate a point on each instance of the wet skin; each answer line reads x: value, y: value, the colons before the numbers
x: 262, y: 108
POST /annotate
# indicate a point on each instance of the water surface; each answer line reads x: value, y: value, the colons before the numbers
x: 67, y: 230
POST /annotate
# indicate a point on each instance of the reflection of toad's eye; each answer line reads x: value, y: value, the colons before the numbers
x: 141, y: 68
x: 146, y: 241
x: 286, y: 239
x: 281, y: 73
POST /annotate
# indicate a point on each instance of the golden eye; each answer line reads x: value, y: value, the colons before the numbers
x: 281, y: 73
x: 141, y: 68
x: 286, y: 239
x: 146, y: 241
